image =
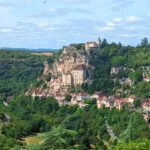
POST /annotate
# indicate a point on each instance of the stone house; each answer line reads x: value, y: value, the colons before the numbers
x: 67, y: 79
x: 79, y: 74
x: 114, y: 70
x: 147, y: 79
x: 119, y: 103
x: 110, y: 102
x: 101, y: 101
x: 131, y: 99
x: 146, y: 106
x: 81, y: 96
x: 127, y: 81
x: 91, y: 46
x: 55, y: 84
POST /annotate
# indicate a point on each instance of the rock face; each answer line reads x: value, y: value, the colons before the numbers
x: 46, y: 68
x: 71, y: 69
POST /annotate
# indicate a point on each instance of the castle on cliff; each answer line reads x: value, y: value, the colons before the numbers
x: 72, y: 68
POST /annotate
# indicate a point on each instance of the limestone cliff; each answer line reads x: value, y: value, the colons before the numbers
x: 71, y: 69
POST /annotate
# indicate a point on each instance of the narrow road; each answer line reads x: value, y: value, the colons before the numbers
x: 110, y: 131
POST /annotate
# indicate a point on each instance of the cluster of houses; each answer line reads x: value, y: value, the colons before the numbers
x: 101, y: 99
x: 109, y: 101
x: 112, y: 102
x: 73, y: 69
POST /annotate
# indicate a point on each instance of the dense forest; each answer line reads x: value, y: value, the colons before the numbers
x: 18, y: 69
x: 71, y: 127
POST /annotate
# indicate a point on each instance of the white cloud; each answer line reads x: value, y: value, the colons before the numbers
x: 133, y: 19
x: 120, y: 23
x: 111, y: 24
x: 117, y: 20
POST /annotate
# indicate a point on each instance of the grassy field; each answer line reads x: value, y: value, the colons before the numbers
x: 43, y: 54
x: 33, y: 139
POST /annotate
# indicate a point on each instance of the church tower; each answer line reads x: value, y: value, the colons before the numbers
x: 99, y: 42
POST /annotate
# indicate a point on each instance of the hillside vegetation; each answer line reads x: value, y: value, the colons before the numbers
x: 71, y: 127
x: 131, y: 61
x: 18, y: 69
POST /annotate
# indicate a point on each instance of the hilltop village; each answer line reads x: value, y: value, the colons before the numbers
x: 72, y: 69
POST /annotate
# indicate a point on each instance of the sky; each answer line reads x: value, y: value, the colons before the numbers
x: 55, y: 23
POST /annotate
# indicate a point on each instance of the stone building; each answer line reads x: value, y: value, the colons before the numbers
x: 79, y: 74
x: 67, y: 79
x: 146, y: 106
x: 146, y: 79
x: 91, y: 46
x: 114, y: 70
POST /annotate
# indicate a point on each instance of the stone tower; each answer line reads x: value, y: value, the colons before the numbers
x: 99, y: 42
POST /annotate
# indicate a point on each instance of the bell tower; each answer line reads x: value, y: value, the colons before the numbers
x: 99, y: 42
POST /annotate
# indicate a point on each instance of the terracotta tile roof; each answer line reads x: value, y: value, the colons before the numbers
x: 81, y: 94
x: 92, y: 42
x: 80, y: 67
x: 147, y: 104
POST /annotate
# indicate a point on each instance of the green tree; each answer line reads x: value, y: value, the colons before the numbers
x: 141, y: 89
x: 143, y: 144
x: 68, y: 98
x: 58, y: 138
x: 144, y: 42
x: 137, y: 103
x: 137, y: 76
x: 136, y: 128
x: 118, y: 61
x: 104, y: 43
